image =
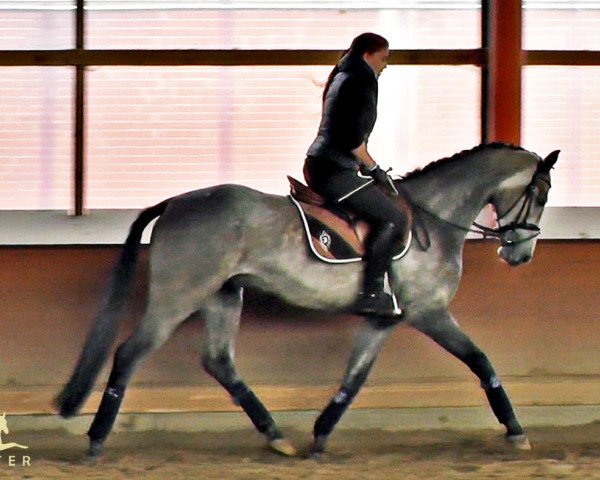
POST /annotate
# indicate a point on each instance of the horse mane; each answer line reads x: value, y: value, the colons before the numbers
x: 456, y: 157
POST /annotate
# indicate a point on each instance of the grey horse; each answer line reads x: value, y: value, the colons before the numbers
x: 208, y: 245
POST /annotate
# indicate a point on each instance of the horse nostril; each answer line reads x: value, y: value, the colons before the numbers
x: 526, y: 258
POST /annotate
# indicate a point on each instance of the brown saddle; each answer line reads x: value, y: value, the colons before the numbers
x: 334, y: 235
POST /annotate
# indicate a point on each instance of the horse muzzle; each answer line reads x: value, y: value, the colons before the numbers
x: 515, y: 256
x: 517, y: 242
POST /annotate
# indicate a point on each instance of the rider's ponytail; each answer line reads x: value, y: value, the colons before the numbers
x: 364, y: 43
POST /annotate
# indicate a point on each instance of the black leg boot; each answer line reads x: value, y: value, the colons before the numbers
x: 372, y: 300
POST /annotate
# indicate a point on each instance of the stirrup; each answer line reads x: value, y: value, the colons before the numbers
x: 380, y: 304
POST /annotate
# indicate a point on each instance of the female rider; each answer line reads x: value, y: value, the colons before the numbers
x: 339, y: 167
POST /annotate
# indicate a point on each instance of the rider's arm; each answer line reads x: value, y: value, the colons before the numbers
x: 363, y: 156
x: 379, y: 176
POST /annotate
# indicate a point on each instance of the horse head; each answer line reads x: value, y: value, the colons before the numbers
x: 519, y: 212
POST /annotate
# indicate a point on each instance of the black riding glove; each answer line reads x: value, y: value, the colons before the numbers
x: 381, y: 178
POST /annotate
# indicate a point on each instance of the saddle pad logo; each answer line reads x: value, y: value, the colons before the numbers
x: 325, y: 239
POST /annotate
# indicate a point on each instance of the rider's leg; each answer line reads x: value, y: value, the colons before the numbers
x: 380, y: 251
x: 389, y: 226
x: 389, y: 231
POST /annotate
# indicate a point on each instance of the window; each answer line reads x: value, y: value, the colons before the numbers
x: 561, y: 25
x: 561, y: 104
x: 36, y: 138
x: 162, y: 131
x: 36, y: 25
x: 152, y: 132
x: 283, y: 24
x: 561, y: 110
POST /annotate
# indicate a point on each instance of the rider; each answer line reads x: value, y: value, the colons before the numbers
x: 339, y: 167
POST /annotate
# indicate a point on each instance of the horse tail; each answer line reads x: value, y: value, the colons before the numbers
x: 104, y: 327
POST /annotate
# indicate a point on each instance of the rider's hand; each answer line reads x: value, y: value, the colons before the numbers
x: 381, y: 178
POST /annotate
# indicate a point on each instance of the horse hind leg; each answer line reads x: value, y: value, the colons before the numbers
x: 155, y: 328
x: 222, y: 317
x: 444, y: 330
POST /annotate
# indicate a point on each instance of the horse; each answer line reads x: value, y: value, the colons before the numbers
x: 208, y: 245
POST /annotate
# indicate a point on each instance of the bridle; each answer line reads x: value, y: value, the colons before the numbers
x: 506, y: 234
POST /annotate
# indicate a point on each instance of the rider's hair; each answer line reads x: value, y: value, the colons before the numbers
x: 365, y: 43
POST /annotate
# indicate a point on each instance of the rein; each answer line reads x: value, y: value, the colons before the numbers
x: 502, y: 233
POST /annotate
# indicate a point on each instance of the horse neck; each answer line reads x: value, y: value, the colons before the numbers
x: 458, y: 190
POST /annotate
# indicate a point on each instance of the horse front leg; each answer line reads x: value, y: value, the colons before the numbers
x: 443, y: 329
x: 364, y: 352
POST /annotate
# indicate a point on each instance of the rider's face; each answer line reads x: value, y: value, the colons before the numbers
x: 377, y: 60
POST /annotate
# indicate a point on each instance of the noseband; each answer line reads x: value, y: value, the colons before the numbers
x: 507, y: 233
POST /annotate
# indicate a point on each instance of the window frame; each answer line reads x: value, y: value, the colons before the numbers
x: 500, y: 99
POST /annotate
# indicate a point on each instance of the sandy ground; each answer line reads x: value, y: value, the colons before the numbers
x: 558, y: 452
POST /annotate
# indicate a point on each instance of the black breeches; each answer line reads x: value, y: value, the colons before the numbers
x: 389, y: 223
x: 369, y: 203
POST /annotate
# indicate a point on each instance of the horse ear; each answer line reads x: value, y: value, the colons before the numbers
x: 550, y: 160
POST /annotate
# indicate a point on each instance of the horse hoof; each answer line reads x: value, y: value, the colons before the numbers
x: 318, y: 448
x: 89, y: 460
x: 283, y: 447
x: 519, y: 442
x: 92, y: 457
x: 94, y: 452
x: 58, y: 405
x: 64, y: 409
x: 314, y: 455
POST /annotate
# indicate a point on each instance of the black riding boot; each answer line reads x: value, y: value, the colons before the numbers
x: 372, y: 300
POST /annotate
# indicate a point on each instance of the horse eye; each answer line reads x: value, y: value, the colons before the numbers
x: 540, y: 192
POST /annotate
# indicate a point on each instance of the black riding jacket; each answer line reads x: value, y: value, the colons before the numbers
x: 349, y: 113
